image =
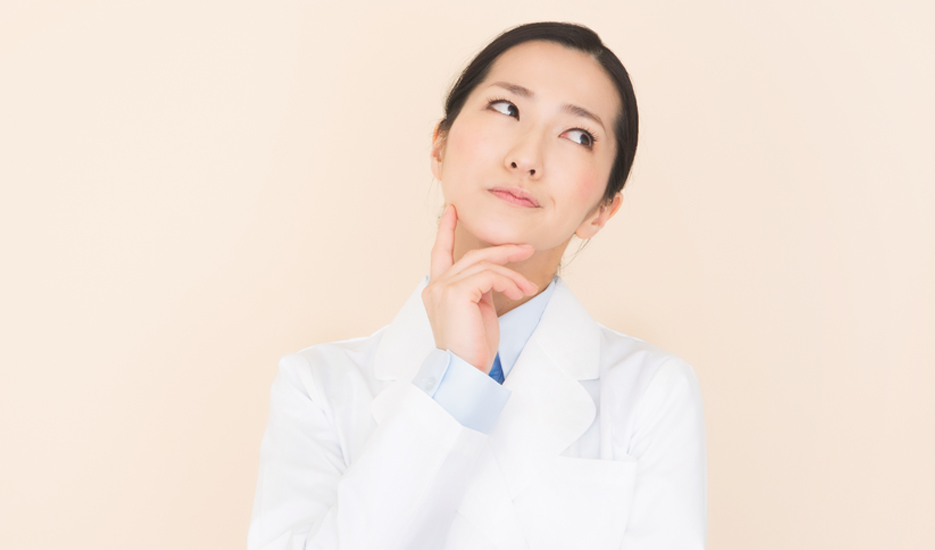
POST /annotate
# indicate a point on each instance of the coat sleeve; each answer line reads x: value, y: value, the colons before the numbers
x: 401, y: 491
x: 669, y: 509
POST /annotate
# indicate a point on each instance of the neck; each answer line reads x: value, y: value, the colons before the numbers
x: 539, y: 268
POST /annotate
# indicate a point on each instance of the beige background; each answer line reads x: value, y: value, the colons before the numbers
x: 192, y: 189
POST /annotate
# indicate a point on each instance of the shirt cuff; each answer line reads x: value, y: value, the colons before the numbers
x: 473, y: 398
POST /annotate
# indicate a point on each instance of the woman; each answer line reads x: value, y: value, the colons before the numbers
x: 407, y: 439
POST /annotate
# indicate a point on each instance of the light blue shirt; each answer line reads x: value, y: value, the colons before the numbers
x: 472, y: 397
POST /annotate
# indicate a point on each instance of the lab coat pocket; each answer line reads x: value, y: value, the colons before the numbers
x: 578, y: 503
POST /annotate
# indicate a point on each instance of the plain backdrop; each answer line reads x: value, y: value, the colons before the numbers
x: 190, y: 190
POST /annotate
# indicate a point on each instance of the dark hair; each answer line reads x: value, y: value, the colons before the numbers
x: 576, y: 37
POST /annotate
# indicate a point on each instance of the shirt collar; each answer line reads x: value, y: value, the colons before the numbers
x: 567, y: 334
x: 518, y: 324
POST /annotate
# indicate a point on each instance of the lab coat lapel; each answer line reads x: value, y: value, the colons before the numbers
x: 406, y: 341
x: 548, y: 409
x: 405, y: 344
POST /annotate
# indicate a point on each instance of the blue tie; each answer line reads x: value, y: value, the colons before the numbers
x: 496, y: 371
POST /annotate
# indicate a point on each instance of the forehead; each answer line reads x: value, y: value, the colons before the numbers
x: 556, y: 73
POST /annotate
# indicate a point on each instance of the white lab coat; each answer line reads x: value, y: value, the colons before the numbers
x: 600, y: 446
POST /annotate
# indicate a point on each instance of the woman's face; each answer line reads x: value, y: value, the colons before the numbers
x: 527, y: 159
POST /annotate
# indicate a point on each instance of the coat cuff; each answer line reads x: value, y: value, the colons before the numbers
x: 473, y: 398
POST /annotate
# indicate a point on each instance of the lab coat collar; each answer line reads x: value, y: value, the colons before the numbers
x: 406, y: 341
x: 566, y: 332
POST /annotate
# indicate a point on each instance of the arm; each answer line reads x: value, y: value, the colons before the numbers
x: 669, y: 508
x: 400, y: 492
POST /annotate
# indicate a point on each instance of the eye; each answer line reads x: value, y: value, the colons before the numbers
x: 505, y: 107
x: 581, y: 137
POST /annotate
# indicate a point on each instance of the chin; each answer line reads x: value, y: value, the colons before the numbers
x: 499, y: 231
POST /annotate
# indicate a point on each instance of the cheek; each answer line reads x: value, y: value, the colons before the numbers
x: 589, y: 186
x: 466, y: 145
x: 581, y: 179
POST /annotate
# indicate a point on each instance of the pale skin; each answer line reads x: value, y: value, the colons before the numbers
x: 523, y: 169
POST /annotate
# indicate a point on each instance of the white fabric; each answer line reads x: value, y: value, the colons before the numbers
x: 600, y: 446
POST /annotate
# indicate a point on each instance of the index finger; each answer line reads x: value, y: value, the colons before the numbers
x: 443, y: 251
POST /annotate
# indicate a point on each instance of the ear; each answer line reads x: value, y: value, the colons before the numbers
x: 438, y: 150
x: 593, y: 223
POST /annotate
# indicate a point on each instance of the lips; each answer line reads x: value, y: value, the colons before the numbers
x: 515, y: 196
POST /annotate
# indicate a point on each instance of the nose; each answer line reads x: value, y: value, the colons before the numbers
x: 526, y: 157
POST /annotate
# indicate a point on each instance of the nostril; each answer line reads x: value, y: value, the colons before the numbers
x: 513, y: 164
x: 532, y: 172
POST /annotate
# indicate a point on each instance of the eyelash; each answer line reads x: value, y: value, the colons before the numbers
x: 587, y: 132
x: 590, y: 135
x: 493, y: 102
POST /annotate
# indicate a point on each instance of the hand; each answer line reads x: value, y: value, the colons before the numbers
x: 459, y: 297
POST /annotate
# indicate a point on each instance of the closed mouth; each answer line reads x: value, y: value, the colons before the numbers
x: 515, y: 196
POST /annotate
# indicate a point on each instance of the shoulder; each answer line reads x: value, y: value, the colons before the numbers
x: 645, y: 380
x: 331, y: 367
x: 625, y: 355
x: 627, y: 366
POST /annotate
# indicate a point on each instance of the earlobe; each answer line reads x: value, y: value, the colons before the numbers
x: 596, y: 221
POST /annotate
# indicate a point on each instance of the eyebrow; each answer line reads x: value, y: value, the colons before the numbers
x: 582, y: 112
x: 515, y: 88
x: 567, y: 107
